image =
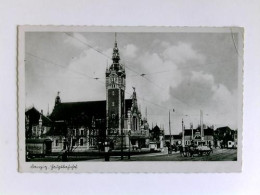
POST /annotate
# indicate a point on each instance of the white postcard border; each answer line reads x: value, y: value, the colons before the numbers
x: 123, y: 167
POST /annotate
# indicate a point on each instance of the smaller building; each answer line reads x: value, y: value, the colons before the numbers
x: 157, y: 137
x: 198, y: 136
x: 36, y: 124
x: 223, y: 136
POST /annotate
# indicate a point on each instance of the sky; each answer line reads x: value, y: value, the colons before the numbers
x: 184, y: 73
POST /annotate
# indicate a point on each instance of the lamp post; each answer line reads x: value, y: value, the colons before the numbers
x: 129, y: 134
x: 122, y: 156
x: 170, y: 126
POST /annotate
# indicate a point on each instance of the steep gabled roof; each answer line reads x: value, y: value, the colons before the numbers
x: 223, y: 129
x: 68, y: 110
x: 188, y: 132
x: 208, y: 131
x: 34, y: 115
x: 175, y: 137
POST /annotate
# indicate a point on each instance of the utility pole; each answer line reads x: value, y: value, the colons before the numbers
x: 170, y: 127
x: 182, y: 134
x: 201, y: 125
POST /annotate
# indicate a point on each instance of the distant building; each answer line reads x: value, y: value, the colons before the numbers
x: 223, y: 135
x: 157, y: 137
x: 37, y: 127
x: 195, y: 135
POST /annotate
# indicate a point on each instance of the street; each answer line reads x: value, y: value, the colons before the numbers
x: 217, y: 155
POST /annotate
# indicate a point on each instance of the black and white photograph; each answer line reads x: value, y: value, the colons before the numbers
x: 130, y: 97
x: 124, y: 95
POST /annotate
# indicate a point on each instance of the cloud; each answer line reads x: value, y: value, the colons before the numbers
x: 199, y: 91
x: 162, y: 73
x: 129, y: 51
x: 194, y: 90
x: 181, y: 53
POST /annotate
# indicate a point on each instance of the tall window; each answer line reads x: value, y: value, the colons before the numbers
x: 82, y: 132
x: 56, y: 142
x: 35, y: 130
x: 73, y: 142
x: 81, y: 142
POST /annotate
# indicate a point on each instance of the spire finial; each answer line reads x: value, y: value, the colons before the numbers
x: 115, y: 56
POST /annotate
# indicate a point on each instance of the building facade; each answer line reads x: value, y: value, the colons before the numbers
x: 199, y: 136
x: 36, y: 124
x: 82, y: 126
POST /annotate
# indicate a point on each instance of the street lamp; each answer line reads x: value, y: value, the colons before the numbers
x: 129, y: 134
x: 170, y: 126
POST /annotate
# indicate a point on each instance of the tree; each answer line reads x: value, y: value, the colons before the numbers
x: 76, y: 127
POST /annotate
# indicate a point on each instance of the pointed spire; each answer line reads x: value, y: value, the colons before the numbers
x: 40, y: 120
x: 57, y: 100
x: 115, y: 56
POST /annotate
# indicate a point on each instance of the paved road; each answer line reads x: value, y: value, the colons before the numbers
x: 217, y: 155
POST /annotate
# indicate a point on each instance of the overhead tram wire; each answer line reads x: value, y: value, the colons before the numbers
x: 144, y: 74
x: 53, y: 63
x: 234, y: 43
x: 148, y: 101
x: 88, y: 45
x: 100, y: 52
x: 103, y: 83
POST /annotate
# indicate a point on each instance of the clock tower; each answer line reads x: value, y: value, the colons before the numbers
x: 115, y: 94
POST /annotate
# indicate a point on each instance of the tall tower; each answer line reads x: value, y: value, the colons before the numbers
x: 115, y: 94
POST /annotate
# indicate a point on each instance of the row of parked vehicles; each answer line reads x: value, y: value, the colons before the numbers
x: 191, y: 150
